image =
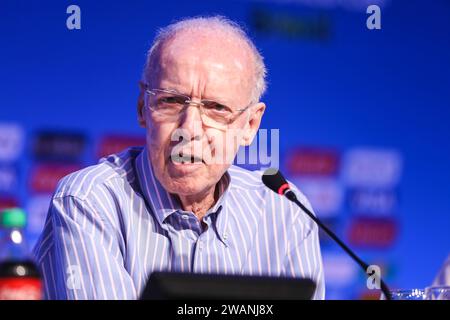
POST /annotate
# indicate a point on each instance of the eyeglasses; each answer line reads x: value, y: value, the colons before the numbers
x: 169, y: 105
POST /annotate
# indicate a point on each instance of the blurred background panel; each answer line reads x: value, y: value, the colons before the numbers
x: 363, y: 114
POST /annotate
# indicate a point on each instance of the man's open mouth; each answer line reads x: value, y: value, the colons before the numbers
x: 186, y: 159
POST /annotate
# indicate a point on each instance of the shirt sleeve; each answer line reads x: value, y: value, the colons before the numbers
x: 304, y: 259
x: 78, y: 253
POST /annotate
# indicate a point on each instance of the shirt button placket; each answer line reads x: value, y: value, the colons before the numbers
x: 197, y: 256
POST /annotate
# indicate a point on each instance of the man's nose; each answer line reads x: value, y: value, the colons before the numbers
x: 191, y: 121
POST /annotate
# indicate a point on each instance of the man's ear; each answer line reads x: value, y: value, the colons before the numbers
x: 141, y: 104
x: 253, y: 122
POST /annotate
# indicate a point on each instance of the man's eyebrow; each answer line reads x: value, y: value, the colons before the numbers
x: 220, y: 100
x: 215, y: 99
x: 174, y: 91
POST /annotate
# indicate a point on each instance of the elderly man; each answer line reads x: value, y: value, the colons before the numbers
x: 178, y: 204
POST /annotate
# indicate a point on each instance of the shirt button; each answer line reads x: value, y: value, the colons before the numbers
x: 225, y: 236
x: 185, y: 217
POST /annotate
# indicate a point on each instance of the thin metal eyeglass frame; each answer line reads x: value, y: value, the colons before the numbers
x: 189, y: 102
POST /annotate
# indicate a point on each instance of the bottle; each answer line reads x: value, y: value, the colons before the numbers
x: 19, y: 276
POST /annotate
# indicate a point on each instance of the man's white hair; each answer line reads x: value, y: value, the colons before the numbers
x: 214, y: 24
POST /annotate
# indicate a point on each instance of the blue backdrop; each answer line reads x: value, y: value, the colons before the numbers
x: 333, y: 84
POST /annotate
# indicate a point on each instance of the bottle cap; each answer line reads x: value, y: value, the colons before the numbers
x: 13, y: 218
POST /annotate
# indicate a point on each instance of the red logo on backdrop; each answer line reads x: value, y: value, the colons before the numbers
x: 313, y: 161
x: 6, y: 203
x: 116, y: 143
x: 20, y: 289
x: 369, y: 295
x: 45, y: 177
x: 372, y: 233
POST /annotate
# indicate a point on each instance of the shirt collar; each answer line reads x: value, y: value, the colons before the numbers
x: 164, y: 203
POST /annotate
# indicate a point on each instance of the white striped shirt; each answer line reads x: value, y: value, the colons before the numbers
x: 111, y: 225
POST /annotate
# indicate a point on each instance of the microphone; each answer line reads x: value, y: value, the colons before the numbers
x: 274, y: 180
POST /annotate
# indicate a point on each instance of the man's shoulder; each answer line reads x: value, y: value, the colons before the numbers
x: 250, y: 181
x: 247, y: 179
x: 80, y: 183
x: 243, y: 179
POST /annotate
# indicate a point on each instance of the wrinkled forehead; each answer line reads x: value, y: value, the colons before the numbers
x: 214, y: 60
x: 220, y: 46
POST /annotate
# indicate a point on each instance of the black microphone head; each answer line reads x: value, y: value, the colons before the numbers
x: 274, y: 180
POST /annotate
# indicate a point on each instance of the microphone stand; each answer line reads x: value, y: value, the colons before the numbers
x: 292, y: 197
